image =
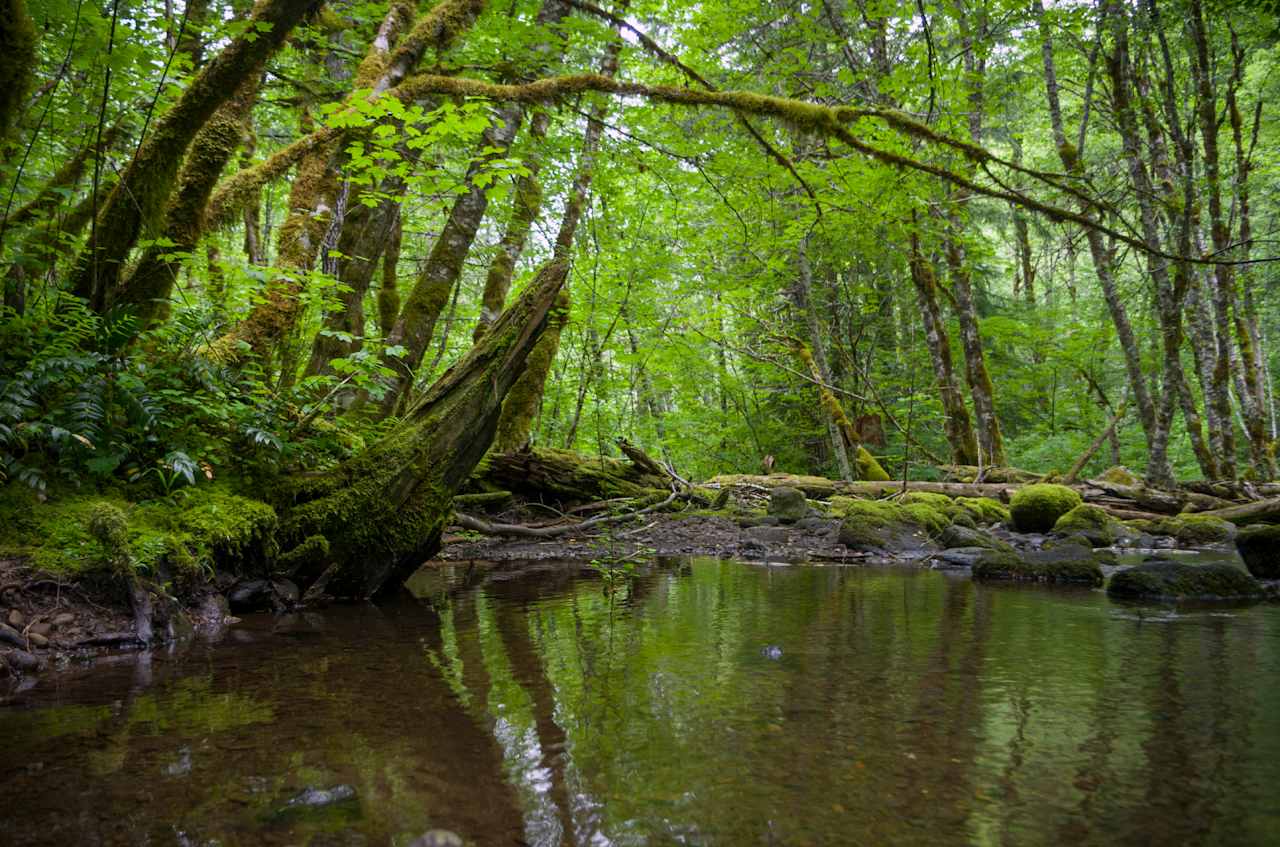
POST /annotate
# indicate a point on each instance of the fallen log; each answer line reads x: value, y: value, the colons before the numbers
x: 821, y: 488
x: 562, y: 478
x: 1262, y: 511
x: 522, y: 531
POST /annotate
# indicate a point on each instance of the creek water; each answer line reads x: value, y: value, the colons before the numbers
x: 701, y: 702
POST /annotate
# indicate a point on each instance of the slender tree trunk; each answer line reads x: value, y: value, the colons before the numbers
x: 802, y: 297
x: 389, y: 293
x: 521, y: 405
x: 956, y: 422
x: 17, y: 65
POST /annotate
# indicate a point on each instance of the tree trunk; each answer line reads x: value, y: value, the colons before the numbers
x: 382, y: 512
x: 956, y: 422
x: 802, y: 297
x: 139, y: 199
x: 17, y: 64
x: 147, y: 289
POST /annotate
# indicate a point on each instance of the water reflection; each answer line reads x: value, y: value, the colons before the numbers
x: 715, y: 703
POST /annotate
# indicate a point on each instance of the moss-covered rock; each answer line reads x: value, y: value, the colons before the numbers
x: 1061, y: 566
x: 1091, y: 522
x: 1176, y: 580
x: 1259, y: 546
x: 787, y: 504
x: 108, y: 524
x: 882, y: 524
x: 984, y: 510
x: 1192, y: 529
x: 1036, y: 508
x: 956, y: 536
x: 1120, y: 475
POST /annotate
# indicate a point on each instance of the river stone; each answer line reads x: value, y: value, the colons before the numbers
x: 312, y: 797
x: 1177, y: 580
x: 64, y: 619
x: 768, y: 534
x: 16, y: 619
x: 437, y: 838
x: 1070, y: 564
x: 40, y: 629
x: 253, y: 595
x: 787, y: 504
x: 37, y: 640
x: 23, y: 662
x: 1259, y: 546
x: 10, y: 636
x: 963, y: 536
x: 813, y: 524
x: 287, y: 593
x: 961, y: 557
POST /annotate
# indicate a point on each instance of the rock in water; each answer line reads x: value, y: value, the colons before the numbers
x: 1259, y: 546
x: 313, y: 797
x: 437, y: 838
x: 1179, y: 581
x: 1070, y: 564
x: 787, y: 504
x: 253, y: 595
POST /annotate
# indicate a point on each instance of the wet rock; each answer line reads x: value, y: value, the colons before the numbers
x: 64, y: 619
x: 437, y: 838
x: 962, y: 536
x: 960, y: 557
x: 315, y: 797
x: 1176, y: 580
x: 1069, y: 564
x: 1259, y: 546
x: 40, y: 629
x: 1074, y: 540
x: 287, y: 593
x: 37, y: 640
x: 768, y: 534
x: 253, y: 595
x: 16, y: 619
x: 23, y: 662
x: 10, y: 636
x: 768, y: 520
x: 1090, y: 522
x: 813, y: 524
x: 787, y: 504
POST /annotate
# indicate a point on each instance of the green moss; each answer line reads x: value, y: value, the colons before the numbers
x: 1176, y: 580
x: 984, y: 510
x: 878, y: 523
x: 940, y: 502
x: 1090, y: 522
x: 1001, y: 565
x: 1192, y: 529
x: 1036, y: 508
x: 82, y: 534
x: 17, y: 60
x: 868, y: 468
x: 1119, y: 475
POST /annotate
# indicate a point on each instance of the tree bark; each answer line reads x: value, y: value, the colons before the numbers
x: 139, y: 198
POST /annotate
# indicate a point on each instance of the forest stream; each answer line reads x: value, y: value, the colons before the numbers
x: 695, y: 702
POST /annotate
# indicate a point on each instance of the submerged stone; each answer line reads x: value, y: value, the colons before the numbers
x: 1259, y: 546
x: 1036, y: 508
x: 1070, y: 564
x: 1176, y: 580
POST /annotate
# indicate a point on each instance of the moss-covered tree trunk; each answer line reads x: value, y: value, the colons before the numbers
x: 147, y: 288
x: 389, y: 292
x: 956, y: 422
x: 382, y: 513
x: 17, y: 65
x: 521, y: 406
x: 139, y: 199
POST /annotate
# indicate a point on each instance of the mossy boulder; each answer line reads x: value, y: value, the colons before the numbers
x: 1064, y: 565
x: 1036, y: 508
x: 1259, y: 546
x: 1091, y: 522
x: 984, y: 510
x: 956, y: 536
x: 787, y: 504
x: 885, y: 525
x: 1120, y: 475
x: 1191, y: 529
x: 1180, y: 581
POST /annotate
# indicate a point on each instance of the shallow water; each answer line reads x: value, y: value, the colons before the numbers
x: 703, y: 703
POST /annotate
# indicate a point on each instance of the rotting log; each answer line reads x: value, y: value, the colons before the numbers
x: 820, y: 488
x: 1263, y: 511
x: 383, y: 511
x: 562, y: 478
